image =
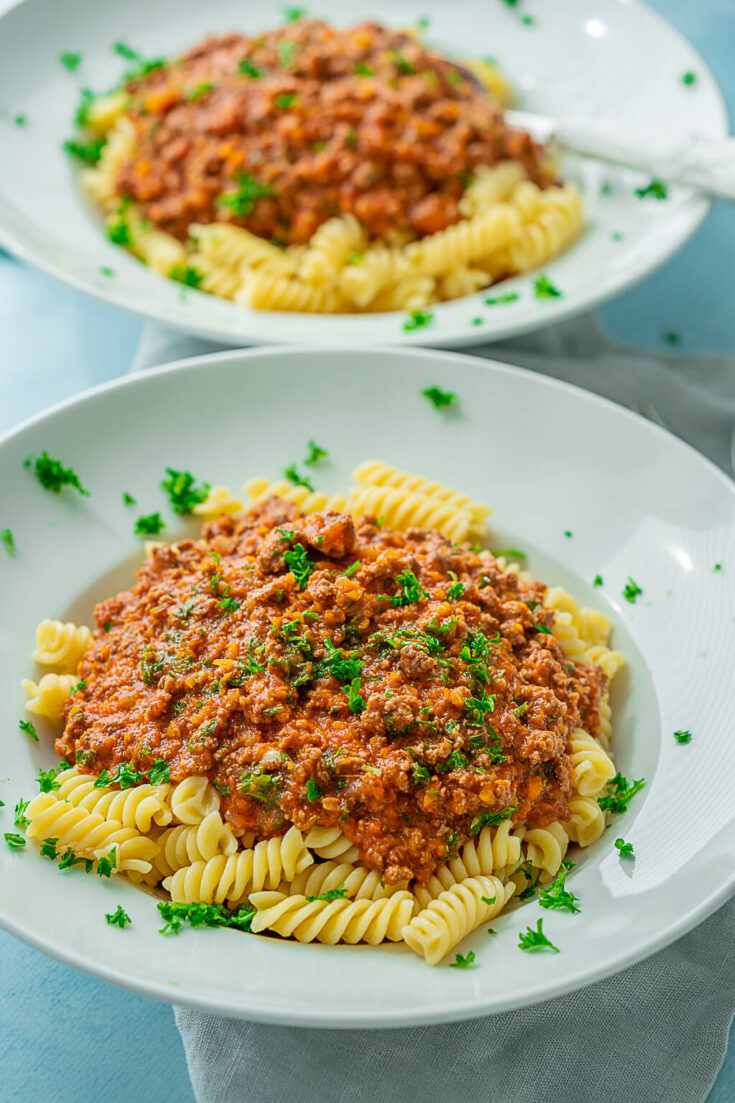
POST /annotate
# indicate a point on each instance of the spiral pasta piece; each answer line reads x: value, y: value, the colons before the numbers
x: 48, y: 696
x: 410, y: 294
x: 188, y: 843
x: 549, y: 221
x: 88, y: 835
x: 403, y: 509
x: 308, y: 501
x: 464, y: 241
x: 358, y: 882
x: 105, y: 111
x: 215, y: 279
x: 218, y: 501
x: 141, y: 806
x: 454, y: 914
x: 380, y: 473
x: 462, y: 281
x: 593, y: 767
x: 61, y: 645
x: 232, y: 247
x: 329, y: 842
x: 491, y: 184
x: 378, y: 268
x: 231, y: 877
x: 545, y: 847
x: 351, y: 921
x: 587, y: 821
x: 268, y: 291
x: 491, y: 852
x: 330, y: 247
x: 193, y: 799
x: 100, y: 182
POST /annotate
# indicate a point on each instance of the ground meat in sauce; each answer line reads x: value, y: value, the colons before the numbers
x: 371, y: 699
x: 321, y: 121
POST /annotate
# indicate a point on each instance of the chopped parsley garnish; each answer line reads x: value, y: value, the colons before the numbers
x: 343, y: 668
x: 313, y: 792
x: 69, y: 859
x: 315, y: 453
x: 143, y: 66
x: 52, y: 475
x: 107, y: 863
x: 118, y: 918
x: 355, y: 700
x: 412, y: 591
x: 20, y: 120
x: 672, y: 338
x: 631, y: 590
x: 8, y: 541
x: 182, y: 490
x: 625, y: 849
x: 456, y: 590
x: 247, y: 68
x: 332, y: 894
x: 543, y: 629
x: 118, y: 230
x: 417, y: 319
x: 461, y: 962
x: 362, y: 69
x: 286, y: 51
x: 597, y: 580
x: 294, y: 476
x: 15, y: 842
x: 299, y: 564
x: 351, y: 569
x: 70, y: 61
x: 48, y: 849
x: 199, y: 91
x: 128, y: 499
x: 150, y: 524
x: 509, y: 553
x: 491, y: 819
x: 102, y: 780
x: 683, y: 736
x: 535, y: 940
x: 688, y: 77
x: 78, y: 686
x: 616, y: 236
x: 618, y: 793
x: 543, y: 288
x: 451, y: 845
x: 47, y: 780
x: 403, y: 65
x: 478, y: 708
x: 489, y: 900
x: 291, y: 15
x: 203, y: 915
x: 184, y: 273
x: 86, y: 98
x: 242, y: 200
x: 89, y: 151
x: 506, y: 297
x: 438, y: 398
x: 27, y: 727
x: 557, y: 896
x: 656, y: 189
x: 717, y: 567
x: 286, y: 100
x: 261, y: 787
x: 125, y: 776
x: 19, y: 817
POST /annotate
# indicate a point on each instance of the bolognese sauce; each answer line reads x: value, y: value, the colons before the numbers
x: 324, y: 671
x: 279, y: 132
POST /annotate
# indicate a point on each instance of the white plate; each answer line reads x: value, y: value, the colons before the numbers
x: 597, y: 59
x: 549, y: 458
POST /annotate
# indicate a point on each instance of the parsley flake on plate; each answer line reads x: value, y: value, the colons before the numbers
x: 333, y: 894
x: 19, y: 813
x: 506, y: 297
x: 52, y: 475
x: 184, y: 273
x: 118, y: 918
x: 439, y: 398
x: 619, y: 792
x: 655, y: 189
x: 70, y: 61
x: 597, y: 580
x: 631, y: 590
x: 689, y: 77
x: 87, y: 151
x: 625, y: 849
x: 182, y: 490
x: 316, y: 453
x: 294, y: 476
x: 106, y: 863
x: 15, y: 842
x: 543, y: 288
x: 417, y: 319
x: 683, y: 736
x: 8, y: 541
x: 150, y: 524
x: 557, y: 896
x: 203, y: 915
x: 47, y: 780
x: 27, y: 727
x: 48, y: 849
x: 462, y: 962
x: 292, y: 15
x: 533, y: 940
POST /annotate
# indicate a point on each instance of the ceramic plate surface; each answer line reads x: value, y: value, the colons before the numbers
x: 587, y: 59
x: 549, y: 459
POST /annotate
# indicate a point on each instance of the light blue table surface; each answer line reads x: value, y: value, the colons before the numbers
x: 67, y: 1038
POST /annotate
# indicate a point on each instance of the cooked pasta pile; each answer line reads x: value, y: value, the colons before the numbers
x: 387, y: 183
x: 313, y: 883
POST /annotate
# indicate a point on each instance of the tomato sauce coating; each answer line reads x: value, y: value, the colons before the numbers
x: 280, y: 132
x: 323, y: 671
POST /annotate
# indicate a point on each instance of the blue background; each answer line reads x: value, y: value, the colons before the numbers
x: 69, y: 1038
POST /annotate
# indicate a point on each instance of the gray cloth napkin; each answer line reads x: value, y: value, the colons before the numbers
x: 657, y: 1032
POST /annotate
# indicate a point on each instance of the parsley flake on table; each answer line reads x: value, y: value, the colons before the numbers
x: 52, y: 475
x: 625, y: 849
x: 683, y: 736
x: 491, y: 819
x: 655, y: 189
x: 15, y: 842
x: 118, y: 918
x: 333, y: 894
x: 8, y: 541
x: 439, y: 398
x: 203, y: 915
x: 182, y: 490
x: 70, y: 61
x: 557, y: 896
x: 27, y: 727
x: 533, y: 940
x: 543, y: 288
x: 619, y: 792
x: 462, y: 962
x: 150, y: 524
x: 631, y: 590
x: 294, y: 476
x: 417, y: 319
